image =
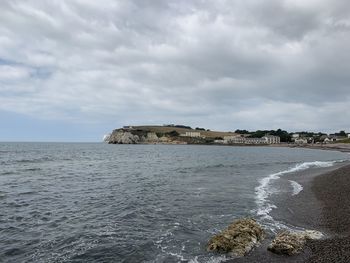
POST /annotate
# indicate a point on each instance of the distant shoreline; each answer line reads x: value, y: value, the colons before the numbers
x: 341, y: 147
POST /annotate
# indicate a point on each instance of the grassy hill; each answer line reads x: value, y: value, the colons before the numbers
x: 166, y: 129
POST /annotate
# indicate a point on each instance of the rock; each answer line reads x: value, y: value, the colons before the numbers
x: 124, y: 137
x: 312, y: 234
x: 291, y: 243
x: 287, y: 243
x: 238, y: 239
x: 151, y: 137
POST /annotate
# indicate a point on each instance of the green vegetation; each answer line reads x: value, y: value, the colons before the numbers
x: 341, y: 133
x: 160, y: 134
x: 172, y: 134
x: 208, y: 137
x: 178, y: 126
x: 344, y: 141
x: 284, y: 135
x: 242, y: 131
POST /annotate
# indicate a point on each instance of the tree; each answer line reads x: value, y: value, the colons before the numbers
x: 341, y: 133
x: 241, y: 131
x: 173, y: 133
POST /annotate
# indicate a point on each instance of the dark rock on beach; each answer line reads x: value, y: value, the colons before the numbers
x: 287, y: 243
x: 238, y: 239
x: 291, y: 243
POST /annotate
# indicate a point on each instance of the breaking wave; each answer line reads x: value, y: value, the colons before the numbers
x: 264, y: 189
x: 297, y: 188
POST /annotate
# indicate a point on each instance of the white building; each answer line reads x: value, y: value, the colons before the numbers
x: 271, y: 139
x: 295, y: 135
x: 192, y: 134
x: 233, y: 139
x: 255, y: 140
x: 330, y: 139
x: 300, y: 141
x: 268, y: 139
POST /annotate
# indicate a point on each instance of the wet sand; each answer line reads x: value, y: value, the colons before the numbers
x: 341, y: 147
x: 324, y: 205
x: 333, y: 190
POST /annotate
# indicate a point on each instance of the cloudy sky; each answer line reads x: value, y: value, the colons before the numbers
x: 74, y: 70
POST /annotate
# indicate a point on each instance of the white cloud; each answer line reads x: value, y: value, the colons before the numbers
x: 12, y: 73
x: 213, y: 64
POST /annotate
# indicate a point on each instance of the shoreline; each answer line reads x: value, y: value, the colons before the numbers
x: 340, y: 147
x: 322, y: 205
x: 332, y: 190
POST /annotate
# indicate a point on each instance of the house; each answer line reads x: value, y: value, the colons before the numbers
x: 267, y: 139
x: 295, y: 136
x: 234, y: 139
x: 255, y: 141
x: 323, y: 137
x: 271, y: 139
x: 192, y: 134
x: 349, y: 135
x: 330, y: 138
x: 300, y: 141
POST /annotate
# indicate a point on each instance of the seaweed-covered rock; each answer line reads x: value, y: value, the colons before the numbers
x: 291, y: 243
x: 287, y: 243
x: 238, y: 239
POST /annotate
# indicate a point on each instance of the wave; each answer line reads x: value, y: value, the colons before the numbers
x: 297, y: 188
x: 7, y: 173
x: 264, y: 189
x: 212, y: 259
x: 222, y: 165
x: 36, y: 160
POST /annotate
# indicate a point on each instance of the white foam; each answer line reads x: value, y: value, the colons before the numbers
x: 264, y: 189
x: 213, y: 259
x: 297, y: 188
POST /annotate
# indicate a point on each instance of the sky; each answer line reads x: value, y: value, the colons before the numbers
x: 74, y: 70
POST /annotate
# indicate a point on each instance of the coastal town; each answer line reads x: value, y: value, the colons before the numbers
x: 181, y: 134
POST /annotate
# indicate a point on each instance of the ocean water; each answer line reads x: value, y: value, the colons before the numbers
x: 137, y: 203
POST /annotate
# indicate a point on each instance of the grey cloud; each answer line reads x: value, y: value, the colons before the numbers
x: 218, y: 64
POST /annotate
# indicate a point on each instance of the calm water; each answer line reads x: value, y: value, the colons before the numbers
x: 139, y: 203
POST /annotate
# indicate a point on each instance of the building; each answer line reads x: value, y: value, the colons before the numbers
x: 267, y: 139
x: 300, y: 141
x: 255, y: 140
x: 329, y: 139
x: 271, y: 139
x: 192, y: 134
x: 295, y: 135
x: 233, y: 139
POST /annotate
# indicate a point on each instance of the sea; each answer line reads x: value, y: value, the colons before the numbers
x: 95, y: 202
